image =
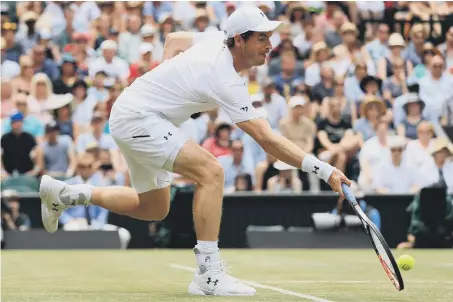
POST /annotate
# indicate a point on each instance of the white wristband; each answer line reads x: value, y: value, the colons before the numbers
x: 313, y: 165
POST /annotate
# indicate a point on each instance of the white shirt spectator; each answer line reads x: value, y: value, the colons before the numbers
x: 83, y: 112
x: 84, y: 14
x: 431, y: 174
x: 9, y: 70
x: 373, y: 152
x: 276, y: 109
x: 118, y: 68
x: 313, y: 74
x: 418, y: 155
x: 397, y: 180
x: 105, y: 142
x: 436, y: 92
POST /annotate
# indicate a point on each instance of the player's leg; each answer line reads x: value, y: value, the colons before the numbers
x: 199, y: 165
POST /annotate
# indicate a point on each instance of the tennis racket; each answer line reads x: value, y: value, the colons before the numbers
x: 377, y: 240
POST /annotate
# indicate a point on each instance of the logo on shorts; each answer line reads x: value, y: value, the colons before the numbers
x: 245, y: 108
x: 166, y: 137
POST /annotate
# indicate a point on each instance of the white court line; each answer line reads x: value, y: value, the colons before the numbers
x: 355, y: 281
x: 259, y: 285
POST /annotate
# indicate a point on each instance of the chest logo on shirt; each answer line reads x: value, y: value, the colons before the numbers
x: 245, y: 108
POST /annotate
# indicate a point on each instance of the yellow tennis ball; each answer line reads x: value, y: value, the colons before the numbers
x: 405, y: 262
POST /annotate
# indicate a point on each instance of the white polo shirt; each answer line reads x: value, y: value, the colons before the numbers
x: 200, y: 79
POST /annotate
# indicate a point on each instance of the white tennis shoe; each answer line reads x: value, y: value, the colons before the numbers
x: 211, y: 279
x: 51, y: 191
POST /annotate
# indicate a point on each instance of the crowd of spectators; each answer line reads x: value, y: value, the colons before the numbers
x: 365, y: 86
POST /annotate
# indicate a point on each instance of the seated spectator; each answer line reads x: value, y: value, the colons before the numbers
x: 333, y: 36
x: 19, y: 150
x: 83, y: 106
x: 114, y: 66
x: 370, y: 10
x: 30, y: 123
x: 202, y: 22
x: 145, y: 63
x: 396, y: 45
x: 289, y: 78
x: 436, y: 88
x: 41, y: 91
x: 27, y: 35
x: 336, y: 137
x: 371, y: 85
x: 51, y: 50
x: 6, y: 94
x: 9, y: 69
x: 44, y: 65
x: 16, y: 220
x: 372, y: 109
x: 22, y: 83
x: 220, y: 143
x: 396, y: 174
x: 395, y: 85
x: 98, y: 90
x: 447, y: 113
x: 352, y: 89
x: 149, y: 36
x: 286, y: 180
x: 374, y: 151
x: 235, y: 164
x: 378, y: 48
x: 68, y: 76
x: 96, y: 134
x: 441, y: 173
x: 91, y: 217
x: 274, y: 104
x: 14, y: 50
x: 111, y: 176
x: 129, y: 41
x: 421, y: 70
x: 243, y: 182
x: 263, y: 172
x: 83, y: 54
x: 60, y: 105
x: 325, y: 87
x: 413, y: 109
x: 414, y: 50
x: 296, y: 14
x: 418, y: 150
x: 325, y: 19
x: 348, y: 107
x: 285, y: 44
x: 320, y: 55
x: 58, y: 153
x: 446, y: 49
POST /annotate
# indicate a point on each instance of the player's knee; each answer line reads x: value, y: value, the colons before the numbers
x: 213, y: 175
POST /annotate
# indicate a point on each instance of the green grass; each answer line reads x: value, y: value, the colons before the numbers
x: 145, y: 275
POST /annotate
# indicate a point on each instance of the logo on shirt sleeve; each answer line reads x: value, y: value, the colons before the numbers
x: 245, y: 109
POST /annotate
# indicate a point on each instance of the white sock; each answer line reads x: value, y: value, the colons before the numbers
x: 207, y: 251
x: 77, y: 195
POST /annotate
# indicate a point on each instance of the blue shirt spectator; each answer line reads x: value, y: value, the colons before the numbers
x: 155, y: 9
x: 30, y: 124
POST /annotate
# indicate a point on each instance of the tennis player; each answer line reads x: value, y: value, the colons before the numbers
x: 200, y: 73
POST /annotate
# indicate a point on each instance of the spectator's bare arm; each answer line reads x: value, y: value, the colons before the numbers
x: 324, y: 140
x: 400, y: 130
x: 72, y: 161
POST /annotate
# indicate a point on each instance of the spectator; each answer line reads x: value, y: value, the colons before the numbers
x: 52, y: 51
x: 286, y: 180
x: 22, y: 83
x: 320, y: 53
x: 114, y: 91
x: 325, y: 87
x: 65, y: 36
x: 374, y: 151
x: 58, y: 153
x: 285, y: 44
x: 114, y: 66
x: 333, y: 36
x: 418, y: 150
x: 446, y: 49
x: 263, y: 172
x: 441, y: 173
x: 396, y: 45
x: 104, y: 141
x: 6, y: 94
x: 20, y: 221
x: 98, y: 90
x: 350, y: 46
x: 13, y: 49
x: 78, y: 218
x: 378, y: 48
x: 235, y: 164
x: 30, y: 123
x: 83, y: 106
x: 395, y: 85
x: 104, y: 30
x: 435, y: 88
x: 9, y: 69
x: 166, y: 26
x: 202, y: 22
x: 68, y: 76
x: 19, y: 149
x: 371, y: 85
x: 243, y: 182
x: 372, y: 109
x: 296, y: 14
x: 82, y: 52
x: 325, y: 20
x: 289, y: 78
x: 274, y: 104
x: 60, y: 104
x: 130, y: 40
x: 153, y: 10
x: 27, y: 34
x: 447, y: 113
x: 348, y: 108
x: 219, y: 144
x: 370, y: 10
x: 396, y: 174
x: 84, y: 14
x: 111, y: 176
x: 413, y: 109
x: 149, y: 36
x: 414, y: 50
x: 421, y: 70
x: 145, y: 64
x: 336, y: 137
x: 44, y: 65
x: 41, y: 92
x: 352, y: 89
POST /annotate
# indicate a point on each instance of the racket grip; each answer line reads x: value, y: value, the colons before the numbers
x: 348, y: 194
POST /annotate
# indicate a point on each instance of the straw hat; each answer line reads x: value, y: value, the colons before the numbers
x: 319, y: 46
x: 295, y: 6
x: 348, y: 26
x: 281, y: 166
x: 370, y: 100
x: 440, y: 144
x: 396, y: 39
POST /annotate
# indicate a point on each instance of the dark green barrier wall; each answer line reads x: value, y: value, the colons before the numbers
x: 243, y: 210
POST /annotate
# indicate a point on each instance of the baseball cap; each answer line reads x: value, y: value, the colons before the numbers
x: 249, y: 18
x: 147, y: 30
x: 16, y: 117
x: 109, y: 44
x: 296, y: 101
x: 145, y: 48
x: 51, y: 126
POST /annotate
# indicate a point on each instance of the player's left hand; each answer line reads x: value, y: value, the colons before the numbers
x: 335, y: 181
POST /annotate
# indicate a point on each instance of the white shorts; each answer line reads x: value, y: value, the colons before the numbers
x: 150, y: 145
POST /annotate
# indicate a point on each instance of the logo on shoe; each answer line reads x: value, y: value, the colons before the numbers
x: 55, y: 207
x: 210, y: 281
x: 207, y: 259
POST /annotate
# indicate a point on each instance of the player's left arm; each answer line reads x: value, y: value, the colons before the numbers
x: 177, y: 42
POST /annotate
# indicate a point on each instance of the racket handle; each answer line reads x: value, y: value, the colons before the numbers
x: 348, y: 194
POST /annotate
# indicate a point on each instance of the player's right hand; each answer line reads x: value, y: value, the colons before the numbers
x: 335, y: 181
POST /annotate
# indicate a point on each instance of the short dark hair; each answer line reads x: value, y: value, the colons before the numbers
x: 230, y: 41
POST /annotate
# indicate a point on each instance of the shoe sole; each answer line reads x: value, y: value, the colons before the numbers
x: 45, y: 193
x: 197, y: 291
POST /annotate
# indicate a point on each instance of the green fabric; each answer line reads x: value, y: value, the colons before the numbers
x: 417, y: 226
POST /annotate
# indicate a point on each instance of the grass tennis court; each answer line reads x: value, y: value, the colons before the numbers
x: 163, y: 275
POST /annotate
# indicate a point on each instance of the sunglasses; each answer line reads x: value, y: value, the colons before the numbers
x: 438, y: 66
x: 399, y: 150
x: 84, y: 166
x: 9, y: 26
